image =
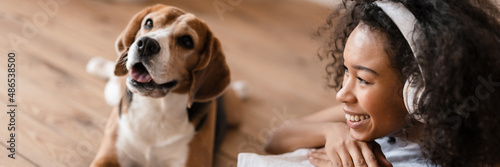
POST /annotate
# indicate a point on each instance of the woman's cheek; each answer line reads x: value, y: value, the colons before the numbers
x: 371, y: 100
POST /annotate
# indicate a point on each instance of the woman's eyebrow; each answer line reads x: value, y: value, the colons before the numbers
x: 358, y: 67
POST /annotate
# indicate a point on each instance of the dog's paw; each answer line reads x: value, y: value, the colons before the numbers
x: 240, y: 88
x: 113, y: 90
x: 100, y: 67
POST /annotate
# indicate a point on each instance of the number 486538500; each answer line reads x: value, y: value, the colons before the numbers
x: 11, y: 77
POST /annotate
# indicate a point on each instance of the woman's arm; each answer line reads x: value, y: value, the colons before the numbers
x: 331, y: 114
x: 307, y: 132
x: 318, y: 128
x: 296, y: 134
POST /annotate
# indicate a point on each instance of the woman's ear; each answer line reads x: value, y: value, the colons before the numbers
x: 211, y: 76
x: 126, y: 38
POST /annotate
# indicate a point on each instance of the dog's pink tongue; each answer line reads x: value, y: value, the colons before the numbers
x: 140, y: 75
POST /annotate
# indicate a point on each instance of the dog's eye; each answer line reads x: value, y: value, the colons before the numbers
x: 185, y: 41
x: 149, y: 24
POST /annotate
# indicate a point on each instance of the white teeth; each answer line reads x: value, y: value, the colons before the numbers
x: 356, y: 118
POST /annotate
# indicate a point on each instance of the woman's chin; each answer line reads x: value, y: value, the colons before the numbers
x: 361, y: 136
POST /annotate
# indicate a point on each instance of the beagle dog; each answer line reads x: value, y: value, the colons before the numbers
x: 169, y: 73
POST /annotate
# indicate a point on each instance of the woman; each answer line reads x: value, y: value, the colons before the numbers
x: 456, y: 118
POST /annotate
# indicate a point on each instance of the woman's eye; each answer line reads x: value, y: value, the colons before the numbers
x: 362, y: 81
x: 346, y: 70
x: 149, y: 24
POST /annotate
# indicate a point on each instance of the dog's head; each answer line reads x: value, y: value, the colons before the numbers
x: 164, y: 49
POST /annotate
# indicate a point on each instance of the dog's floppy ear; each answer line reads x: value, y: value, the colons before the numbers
x: 211, y: 75
x: 127, y: 37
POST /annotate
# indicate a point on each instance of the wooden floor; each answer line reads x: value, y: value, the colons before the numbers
x: 61, y: 110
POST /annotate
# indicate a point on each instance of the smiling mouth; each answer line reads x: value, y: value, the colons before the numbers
x: 356, y: 118
x: 141, y: 78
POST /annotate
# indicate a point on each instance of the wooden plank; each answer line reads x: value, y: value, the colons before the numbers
x: 18, y: 162
x: 61, y: 133
x: 224, y: 161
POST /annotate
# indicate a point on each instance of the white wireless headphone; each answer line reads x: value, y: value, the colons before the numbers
x: 405, y: 21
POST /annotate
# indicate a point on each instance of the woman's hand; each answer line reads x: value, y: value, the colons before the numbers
x: 343, y: 150
x: 319, y: 158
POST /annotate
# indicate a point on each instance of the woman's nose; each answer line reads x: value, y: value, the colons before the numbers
x: 345, y: 94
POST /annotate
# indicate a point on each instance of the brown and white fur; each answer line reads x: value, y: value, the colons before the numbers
x: 170, y: 71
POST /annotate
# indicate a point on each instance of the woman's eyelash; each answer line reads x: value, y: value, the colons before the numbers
x: 363, y: 81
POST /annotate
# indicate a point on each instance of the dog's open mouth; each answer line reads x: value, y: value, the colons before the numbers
x: 141, y: 78
x: 140, y: 74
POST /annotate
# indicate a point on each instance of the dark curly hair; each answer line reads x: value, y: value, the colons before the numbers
x: 459, y: 52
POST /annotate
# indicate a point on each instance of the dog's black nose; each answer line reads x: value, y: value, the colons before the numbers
x: 147, y: 46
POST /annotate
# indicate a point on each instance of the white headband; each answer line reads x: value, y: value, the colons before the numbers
x: 406, y: 23
x: 403, y: 18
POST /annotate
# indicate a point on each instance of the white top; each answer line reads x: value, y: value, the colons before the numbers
x: 401, y: 153
x: 298, y: 158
